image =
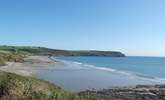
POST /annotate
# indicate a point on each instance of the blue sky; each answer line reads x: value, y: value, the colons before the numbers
x: 135, y: 27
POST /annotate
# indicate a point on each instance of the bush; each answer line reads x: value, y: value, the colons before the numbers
x: 2, y: 62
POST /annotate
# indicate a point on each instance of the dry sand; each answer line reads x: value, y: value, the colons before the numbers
x: 30, y: 66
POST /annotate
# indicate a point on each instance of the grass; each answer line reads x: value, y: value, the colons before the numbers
x: 29, y: 50
x: 2, y: 62
x: 10, y: 57
x: 15, y: 87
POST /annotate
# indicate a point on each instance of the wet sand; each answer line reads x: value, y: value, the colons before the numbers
x: 77, y: 77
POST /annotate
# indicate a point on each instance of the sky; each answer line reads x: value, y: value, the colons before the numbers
x: 134, y: 27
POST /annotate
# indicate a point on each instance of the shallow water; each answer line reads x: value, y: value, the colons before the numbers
x: 148, y: 66
x: 81, y: 73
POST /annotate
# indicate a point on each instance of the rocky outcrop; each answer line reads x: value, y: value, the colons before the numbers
x: 140, y: 92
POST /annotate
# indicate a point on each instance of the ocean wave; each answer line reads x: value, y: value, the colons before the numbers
x: 128, y: 73
x: 77, y: 62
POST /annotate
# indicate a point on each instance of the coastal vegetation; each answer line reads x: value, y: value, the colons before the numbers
x: 6, y: 56
x: 15, y: 87
x: 28, y: 50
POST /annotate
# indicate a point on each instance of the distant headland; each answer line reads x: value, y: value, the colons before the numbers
x: 57, y: 52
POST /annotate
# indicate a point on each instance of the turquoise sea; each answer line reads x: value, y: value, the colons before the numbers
x: 81, y: 73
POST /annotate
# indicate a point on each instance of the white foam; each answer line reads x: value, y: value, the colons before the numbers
x: 77, y: 63
x: 128, y: 73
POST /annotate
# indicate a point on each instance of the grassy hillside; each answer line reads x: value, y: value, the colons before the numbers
x: 15, y: 87
x: 6, y: 56
x: 56, y: 52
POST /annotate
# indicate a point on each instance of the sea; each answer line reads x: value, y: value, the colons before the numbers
x: 84, y: 73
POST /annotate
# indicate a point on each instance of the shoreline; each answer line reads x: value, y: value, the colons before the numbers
x: 71, y: 76
x: 30, y: 65
x: 33, y: 64
x: 76, y: 77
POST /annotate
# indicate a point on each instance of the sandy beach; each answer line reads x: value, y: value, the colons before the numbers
x: 30, y: 65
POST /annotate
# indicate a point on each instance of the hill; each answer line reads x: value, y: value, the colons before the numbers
x: 57, y: 52
x: 16, y: 87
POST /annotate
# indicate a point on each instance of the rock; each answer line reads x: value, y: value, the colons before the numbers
x: 140, y: 92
